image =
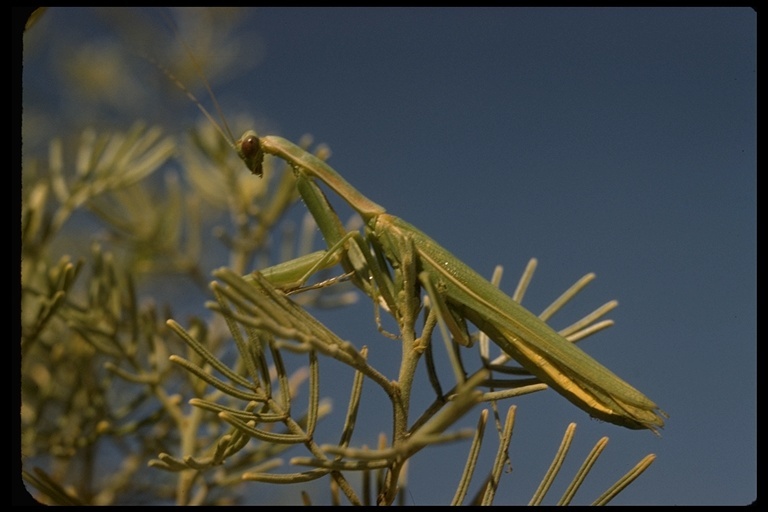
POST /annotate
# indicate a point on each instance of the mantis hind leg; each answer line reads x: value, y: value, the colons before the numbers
x: 452, y: 326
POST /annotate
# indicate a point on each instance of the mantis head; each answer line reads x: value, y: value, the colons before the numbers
x: 249, y: 149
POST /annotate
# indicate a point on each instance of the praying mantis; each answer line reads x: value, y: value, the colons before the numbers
x: 459, y: 294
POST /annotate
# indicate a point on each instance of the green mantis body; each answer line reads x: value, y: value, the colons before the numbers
x: 462, y: 293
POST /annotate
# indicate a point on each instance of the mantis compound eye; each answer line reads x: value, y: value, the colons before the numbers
x: 250, y: 145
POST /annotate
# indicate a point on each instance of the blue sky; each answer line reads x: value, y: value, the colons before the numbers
x: 614, y: 141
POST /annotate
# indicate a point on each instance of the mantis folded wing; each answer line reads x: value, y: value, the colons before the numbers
x: 463, y: 294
